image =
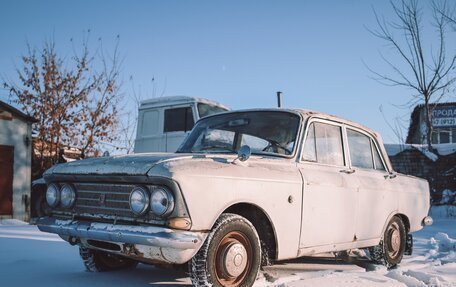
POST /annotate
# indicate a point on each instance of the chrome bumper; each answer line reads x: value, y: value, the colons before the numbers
x: 180, y: 245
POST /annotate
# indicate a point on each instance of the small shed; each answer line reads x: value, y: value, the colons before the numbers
x: 15, y: 162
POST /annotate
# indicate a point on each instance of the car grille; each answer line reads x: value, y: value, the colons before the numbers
x: 103, y: 198
x: 106, y: 201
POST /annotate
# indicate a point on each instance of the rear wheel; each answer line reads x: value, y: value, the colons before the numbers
x: 99, y: 261
x: 230, y: 256
x: 391, y: 249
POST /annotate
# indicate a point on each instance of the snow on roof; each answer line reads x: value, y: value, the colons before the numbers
x: 442, y: 149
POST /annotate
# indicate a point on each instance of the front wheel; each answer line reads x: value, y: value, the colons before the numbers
x: 230, y: 256
x: 391, y: 249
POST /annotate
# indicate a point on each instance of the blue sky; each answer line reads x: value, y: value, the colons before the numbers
x: 235, y: 52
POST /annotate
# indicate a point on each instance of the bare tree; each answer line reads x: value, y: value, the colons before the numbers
x: 129, y: 122
x: 449, y: 12
x: 75, y: 104
x: 428, y: 71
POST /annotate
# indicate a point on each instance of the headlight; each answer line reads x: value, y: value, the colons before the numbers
x: 52, y: 195
x: 139, y: 200
x: 162, y: 202
x: 67, y: 196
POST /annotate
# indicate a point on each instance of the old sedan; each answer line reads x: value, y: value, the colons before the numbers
x: 245, y: 188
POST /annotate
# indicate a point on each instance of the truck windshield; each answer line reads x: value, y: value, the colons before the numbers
x: 266, y: 132
x: 205, y: 110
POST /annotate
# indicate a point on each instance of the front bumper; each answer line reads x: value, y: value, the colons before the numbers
x: 147, y: 243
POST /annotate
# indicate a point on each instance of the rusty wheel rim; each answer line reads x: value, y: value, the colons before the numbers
x: 394, y: 240
x: 233, y: 259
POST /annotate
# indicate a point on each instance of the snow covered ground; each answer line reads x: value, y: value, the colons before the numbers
x: 29, y: 257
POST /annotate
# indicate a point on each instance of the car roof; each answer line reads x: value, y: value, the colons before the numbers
x: 306, y: 113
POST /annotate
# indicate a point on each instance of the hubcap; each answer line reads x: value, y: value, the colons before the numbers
x: 394, y: 238
x: 233, y: 259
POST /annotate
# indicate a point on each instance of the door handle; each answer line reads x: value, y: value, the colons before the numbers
x: 390, y: 175
x: 347, y: 171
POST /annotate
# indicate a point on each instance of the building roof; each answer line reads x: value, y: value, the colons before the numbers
x: 16, y: 112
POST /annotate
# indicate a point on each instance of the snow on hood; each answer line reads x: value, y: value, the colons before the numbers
x: 136, y: 164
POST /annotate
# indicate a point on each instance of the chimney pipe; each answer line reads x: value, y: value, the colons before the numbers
x: 279, y: 99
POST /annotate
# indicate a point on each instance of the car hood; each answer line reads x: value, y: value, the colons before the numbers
x: 136, y: 164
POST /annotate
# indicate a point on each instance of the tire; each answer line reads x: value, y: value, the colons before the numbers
x: 230, y: 256
x: 99, y: 261
x: 391, y: 249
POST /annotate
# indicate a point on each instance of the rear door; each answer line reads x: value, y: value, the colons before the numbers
x: 377, y: 199
x: 6, y: 179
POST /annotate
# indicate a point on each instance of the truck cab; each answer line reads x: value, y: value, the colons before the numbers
x: 164, y: 122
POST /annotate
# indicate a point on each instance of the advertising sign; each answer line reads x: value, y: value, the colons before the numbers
x: 444, y: 117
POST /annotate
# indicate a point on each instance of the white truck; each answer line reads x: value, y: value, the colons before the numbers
x: 163, y: 123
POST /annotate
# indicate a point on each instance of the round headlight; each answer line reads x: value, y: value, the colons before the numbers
x: 67, y: 196
x: 139, y: 200
x: 161, y: 202
x: 52, y: 195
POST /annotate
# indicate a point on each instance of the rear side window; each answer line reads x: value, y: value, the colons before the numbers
x: 179, y: 119
x: 377, y: 160
x: 360, y: 149
x: 324, y: 144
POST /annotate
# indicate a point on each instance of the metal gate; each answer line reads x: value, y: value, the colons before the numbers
x: 6, y: 179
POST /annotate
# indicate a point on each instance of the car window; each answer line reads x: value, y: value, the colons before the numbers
x: 310, y: 150
x: 377, y: 160
x: 360, y: 149
x: 324, y: 144
x: 178, y: 119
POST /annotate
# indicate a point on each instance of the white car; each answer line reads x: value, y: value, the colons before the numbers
x: 245, y: 188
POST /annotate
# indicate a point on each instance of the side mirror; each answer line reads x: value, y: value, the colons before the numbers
x: 244, y: 153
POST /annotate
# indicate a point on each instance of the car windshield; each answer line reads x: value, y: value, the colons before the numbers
x: 205, y: 110
x: 270, y: 133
